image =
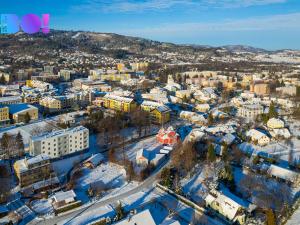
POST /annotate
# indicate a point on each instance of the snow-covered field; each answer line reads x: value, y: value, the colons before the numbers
x: 111, y: 175
x: 150, y: 144
x: 194, y: 187
x: 63, y: 166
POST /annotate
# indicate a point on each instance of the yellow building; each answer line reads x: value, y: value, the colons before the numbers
x: 31, y: 98
x: 183, y: 94
x: 247, y: 79
x: 139, y: 66
x: 159, y: 113
x: 229, y: 85
x: 118, y: 103
x: 30, y: 171
x: 19, y: 112
x: 115, y: 76
x: 4, y: 115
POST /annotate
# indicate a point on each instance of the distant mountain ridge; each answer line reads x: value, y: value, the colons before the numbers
x: 121, y: 46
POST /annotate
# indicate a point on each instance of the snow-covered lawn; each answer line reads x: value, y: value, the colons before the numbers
x: 279, y: 149
x: 194, y: 187
x: 150, y: 144
x: 63, y: 166
x: 112, y: 175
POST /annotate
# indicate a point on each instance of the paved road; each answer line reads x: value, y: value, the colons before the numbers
x: 68, y: 217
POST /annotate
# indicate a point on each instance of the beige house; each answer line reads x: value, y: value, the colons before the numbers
x: 260, y: 88
x: 202, y: 108
x: 274, y: 123
x: 258, y: 137
x: 227, y: 207
x: 19, y: 112
x: 57, y: 103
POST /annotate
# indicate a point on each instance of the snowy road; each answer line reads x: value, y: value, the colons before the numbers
x: 68, y: 217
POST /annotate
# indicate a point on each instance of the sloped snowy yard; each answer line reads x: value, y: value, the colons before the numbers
x: 111, y: 175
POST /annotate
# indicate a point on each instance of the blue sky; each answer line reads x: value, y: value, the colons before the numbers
x: 270, y: 24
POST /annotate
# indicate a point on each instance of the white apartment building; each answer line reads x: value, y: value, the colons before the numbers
x: 250, y: 111
x: 60, y: 143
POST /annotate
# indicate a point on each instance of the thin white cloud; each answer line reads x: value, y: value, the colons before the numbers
x: 153, y: 5
x: 268, y: 23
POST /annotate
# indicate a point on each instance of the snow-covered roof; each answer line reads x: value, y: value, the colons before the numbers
x: 281, y: 132
x: 24, y: 164
x: 229, y: 207
x: 283, y: 173
x: 255, y: 134
x: 275, y: 121
x: 59, y: 132
x: 118, y: 98
x: 222, y: 128
x: 141, y: 218
x: 10, y: 98
x: 37, y: 159
x: 228, y: 138
x: 95, y: 159
x: 61, y: 196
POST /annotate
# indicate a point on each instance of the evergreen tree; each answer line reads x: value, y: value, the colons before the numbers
x: 166, y: 178
x: 4, y: 141
x: 27, y: 118
x: 225, y: 151
x: 2, y: 79
x: 272, y: 111
x: 226, y: 175
x: 120, y: 211
x: 211, y: 155
x: 19, y: 140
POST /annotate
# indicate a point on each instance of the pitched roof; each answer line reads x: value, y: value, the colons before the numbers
x: 15, y: 108
x: 141, y: 218
x: 61, y: 196
x: 283, y: 173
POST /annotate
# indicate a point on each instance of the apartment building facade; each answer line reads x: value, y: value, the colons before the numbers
x: 32, y: 170
x: 250, y: 110
x: 4, y: 115
x: 60, y: 143
x: 119, y: 103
